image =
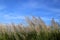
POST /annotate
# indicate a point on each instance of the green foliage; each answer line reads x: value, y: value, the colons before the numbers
x: 52, y: 35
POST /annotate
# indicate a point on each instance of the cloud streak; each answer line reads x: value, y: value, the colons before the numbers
x: 11, y: 17
x: 42, y: 5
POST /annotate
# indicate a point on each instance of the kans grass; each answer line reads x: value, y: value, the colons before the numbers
x: 35, y: 30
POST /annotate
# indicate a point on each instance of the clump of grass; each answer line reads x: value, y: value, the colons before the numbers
x: 35, y: 30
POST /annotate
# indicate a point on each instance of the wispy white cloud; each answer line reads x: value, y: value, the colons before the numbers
x: 49, y: 19
x: 46, y: 18
x: 35, y: 5
x: 9, y: 17
x: 50, y: 9
x: 30, y: 5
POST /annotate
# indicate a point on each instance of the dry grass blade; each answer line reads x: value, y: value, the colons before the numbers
x: 36, y: 30
x: 54, y: 24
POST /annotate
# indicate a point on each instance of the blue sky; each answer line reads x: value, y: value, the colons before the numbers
x: 15, y: 10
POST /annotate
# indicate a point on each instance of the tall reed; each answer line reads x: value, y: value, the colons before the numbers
x: 35, y: 30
